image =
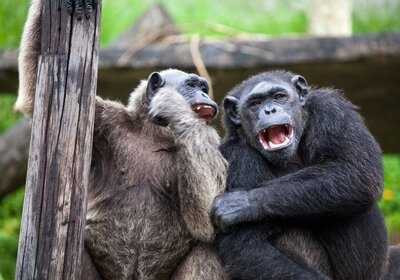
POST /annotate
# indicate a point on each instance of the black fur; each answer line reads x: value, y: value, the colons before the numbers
x: 393, y: 272
x: 324, y: 187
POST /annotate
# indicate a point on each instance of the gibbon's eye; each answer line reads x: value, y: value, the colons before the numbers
x: 279, y: 96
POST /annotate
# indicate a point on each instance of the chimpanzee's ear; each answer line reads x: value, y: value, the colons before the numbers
x: 154, y: 83
x: 301, y: 85
x: 231, y: 109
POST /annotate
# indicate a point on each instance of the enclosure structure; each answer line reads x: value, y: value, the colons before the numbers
x: 53, y: 222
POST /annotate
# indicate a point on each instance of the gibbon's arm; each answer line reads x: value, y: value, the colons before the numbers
x: 28, y: 59
x: 201, y: 167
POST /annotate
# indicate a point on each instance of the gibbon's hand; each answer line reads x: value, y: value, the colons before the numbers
x: 80, y: 7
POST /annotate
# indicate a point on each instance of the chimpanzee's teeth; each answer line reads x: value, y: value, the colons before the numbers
x: 273, y: 146
x: 198, y: 107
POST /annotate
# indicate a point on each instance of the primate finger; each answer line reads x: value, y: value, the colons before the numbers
x: 69, y: 6
x: 88, y: 8
x: 78, y: 9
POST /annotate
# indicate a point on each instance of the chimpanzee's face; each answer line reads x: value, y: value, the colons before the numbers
x: 270, y: 113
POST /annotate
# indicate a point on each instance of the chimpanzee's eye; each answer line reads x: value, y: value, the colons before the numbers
x: 204, y: 89
x: 279, y: 96
x: 191, y: 84
x: 255, y: 104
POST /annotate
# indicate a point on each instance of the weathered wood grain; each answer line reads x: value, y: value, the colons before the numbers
x: 51, y: 238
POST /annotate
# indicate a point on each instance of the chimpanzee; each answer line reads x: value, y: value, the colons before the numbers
x: 304, y: 179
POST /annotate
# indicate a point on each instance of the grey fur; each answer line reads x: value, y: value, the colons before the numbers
x: 151, y: 187
x: 28, y: 59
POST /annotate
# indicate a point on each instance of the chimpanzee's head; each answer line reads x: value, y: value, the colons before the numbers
x: 267, y: 110
x: 192, y: 87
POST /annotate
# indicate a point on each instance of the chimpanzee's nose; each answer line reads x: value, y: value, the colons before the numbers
x: 270, y: 110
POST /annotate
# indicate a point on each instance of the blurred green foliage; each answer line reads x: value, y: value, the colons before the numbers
x: 12, y: 17
x: 390, y: 203
x: 277, y: 19
x: 7, y: 116
x: 248, y: 17
x: 11, y: 205
x: 376, y: 16
x: 10, y: 220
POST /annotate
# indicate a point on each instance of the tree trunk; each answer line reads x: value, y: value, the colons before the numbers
x: 53, y: 220
x: 14, y: 148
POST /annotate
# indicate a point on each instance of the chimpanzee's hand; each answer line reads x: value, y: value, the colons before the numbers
x: 232, y: 208
x: 80, y: 7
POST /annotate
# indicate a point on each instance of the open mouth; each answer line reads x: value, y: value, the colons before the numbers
x: 204, y: 111
x: 276, y: 137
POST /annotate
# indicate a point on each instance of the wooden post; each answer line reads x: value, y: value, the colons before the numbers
x: 53, y: 221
